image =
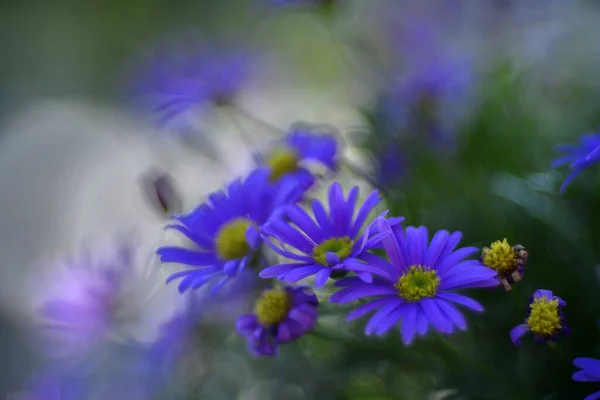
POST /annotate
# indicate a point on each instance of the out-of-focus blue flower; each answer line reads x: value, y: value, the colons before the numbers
x: 579, y: 156
x: 179, y: 80
x: 417, y: 284
x: 425, y: 102
x: 332, y: 244
x: 281, y: 315
x: 81, y: 304
x: 288, y: 157
x: 226, y: 229
x: 590, y: 372
x: 545, y: 318
x: 231, y: 301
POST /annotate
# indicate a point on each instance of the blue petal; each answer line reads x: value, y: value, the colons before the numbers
x: 366, y: 308
x: 382, y: 313
x: 517, y: 332
x: 369, y: 204
x: 435, y: 248
x: 409, y: 323
x: 186, y: 256
x: 299, y: 217
x: 321, y: 277
x: 462, y: 300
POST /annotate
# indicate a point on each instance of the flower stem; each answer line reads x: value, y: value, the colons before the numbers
x: 257, y: 120
x: 358, y: 172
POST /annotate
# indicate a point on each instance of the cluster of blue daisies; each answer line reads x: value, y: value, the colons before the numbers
x: 413, y: 288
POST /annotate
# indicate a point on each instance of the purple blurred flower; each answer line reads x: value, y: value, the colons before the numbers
x: 302, y: 145
x: 426, y: 101
x: 579, y: 156
x: 590, y: 372
x: 416, y: 286
x: 178, y: 80
x: 545, y: 318
x: 226, y: 228
x: 333, y: 244
x: 203, y: 307
x: 281, y: 315
x: 80, y: 304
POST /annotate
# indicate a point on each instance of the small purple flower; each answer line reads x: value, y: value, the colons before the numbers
x: 578, y: 156
x: 333, y: 244
x: 80, y: 306
x: 288, y: 157
x: 545, y: 318
x: 590, y: 372
x: 416, y: 286
x: 281, y: 315
x: 181, y: 79
x: 226, y: 228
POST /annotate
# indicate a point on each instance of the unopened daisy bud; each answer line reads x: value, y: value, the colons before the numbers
x: 508, y: 261
x: 545, y: 319
x: 161, y: 192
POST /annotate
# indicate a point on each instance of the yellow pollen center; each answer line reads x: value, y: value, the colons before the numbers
x: 342, y: 246
x: 273, y: 306
x: 544, y: 319
x: 418, y: 283
x: 501, y: 257
x: 281, y: 162
x: 231, y: 243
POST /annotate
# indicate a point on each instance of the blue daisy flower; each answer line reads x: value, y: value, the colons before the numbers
x: 417, y: 285
x: 281, y: 315
x: 578, y: 156
x: 590, y: 372
x: 545, y: 318
x: 331, y: 245
x: 176, y: 81
x: 226, y: 228
x: 302, y: 145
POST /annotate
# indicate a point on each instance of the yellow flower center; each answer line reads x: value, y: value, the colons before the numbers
x: 342, y: 246
x: 273, y: 306
x: 544, y: 319
x: 231, y: 243
x: 501, y: 257
x: 281, y: 162
x: 418, y: 283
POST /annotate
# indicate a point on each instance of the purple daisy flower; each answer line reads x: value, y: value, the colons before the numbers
x: 226, y: 228
x: 281, y: 315
x: 578, y: 156
x: 80, y: 306
x: 302, y: 145
x: 590, y: 372
x: 331, y: 245
x: 416, y: 286
x: 545, y: 318
x: 180, y: 79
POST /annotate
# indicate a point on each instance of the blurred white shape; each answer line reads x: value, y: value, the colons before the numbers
x: 70, y: 174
